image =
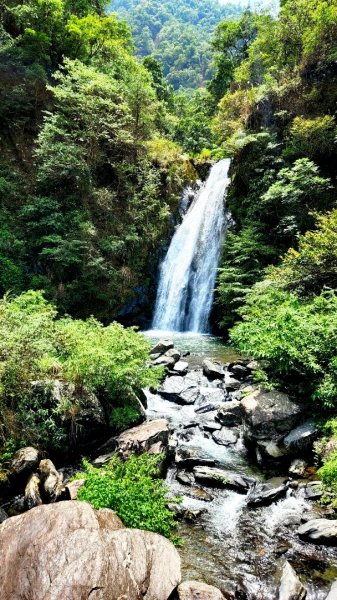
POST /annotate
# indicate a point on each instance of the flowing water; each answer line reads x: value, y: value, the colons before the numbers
x: 188, y: 272
x: 238, y: 549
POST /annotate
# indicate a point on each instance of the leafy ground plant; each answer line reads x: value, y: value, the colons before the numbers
x: 133, y: 490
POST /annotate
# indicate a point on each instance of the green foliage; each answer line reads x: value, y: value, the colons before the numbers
x: 314, y: 265
x: 296, y: 192
x: 133, y: 490
x: 298, y: 339
x: 313, y: 137
x: 124, y: 417
x: 37, y: 347
x: 177, y: 34
x: 245, y: 257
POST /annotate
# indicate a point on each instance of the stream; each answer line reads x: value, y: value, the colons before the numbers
x: 235, y: 548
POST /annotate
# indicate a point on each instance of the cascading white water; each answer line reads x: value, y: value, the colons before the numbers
x: 188, y: 272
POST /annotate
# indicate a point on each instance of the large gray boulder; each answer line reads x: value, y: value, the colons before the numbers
x: 151, y: 436
x: 319, y: 531
x: 69, y: 550
x: 181, y: 390
x: 301, y: 438
x: 196, y: 590
x: 268, y: 415
x: 291, y: 588
x: 25, y: 461
x: 221, y: 478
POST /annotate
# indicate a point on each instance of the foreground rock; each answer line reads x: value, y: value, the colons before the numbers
x: 291, y: 588
x: 268, y: 415
x: 196, y: 590
x: 223, y: 479
x: 69, y: 550
x: 319, y: 531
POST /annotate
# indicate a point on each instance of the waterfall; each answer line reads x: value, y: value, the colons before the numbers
x: 188, y: 272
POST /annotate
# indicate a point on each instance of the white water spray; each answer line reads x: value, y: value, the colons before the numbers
x: 187, y: 278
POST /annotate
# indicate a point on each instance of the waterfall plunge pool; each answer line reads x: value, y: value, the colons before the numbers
x: 199, y: 346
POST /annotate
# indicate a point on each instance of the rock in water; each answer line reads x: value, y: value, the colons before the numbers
x: 291, y: 587
x: 212, y: 370
x: 319, y: 531
x: 220, y: 478
x: 25, y: 461
x: 196, y: 590
x: 262, y: 496
x: 301, y: 438
x: 230, y: 413
x: 162, y: 346
x: 69, y: 550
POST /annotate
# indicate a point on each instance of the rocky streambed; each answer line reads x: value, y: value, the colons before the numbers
x: 241, y: 459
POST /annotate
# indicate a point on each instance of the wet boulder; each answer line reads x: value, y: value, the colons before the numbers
x: 51, y: 481
x: 181, y: 390
x: 181, y: 367
x: 185, y: 478
x: 165, y: 361
x: 291, y: 588
x: 187, y: 457
x: 25, y: 461
x: 162, y: 346
x: 32, y: 492
x: 231, y: 384
x: 212, y: 370
x: 70, y: 550
x: 196, y: 590
x: 301, y: 438
x: 173, y: 353
x: 225, y: 437
x: 230, y: 413
x: 319, y: 531
x: 268, y: 415
x: 151, y: 436
x: 263, y: 495
x: 239, y: 370
x: 221, y: 478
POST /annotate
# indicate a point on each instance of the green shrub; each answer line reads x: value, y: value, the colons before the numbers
x: 124, y: 417
x: 298, y: 339
x: 35, y: 346
x: 133, y: 490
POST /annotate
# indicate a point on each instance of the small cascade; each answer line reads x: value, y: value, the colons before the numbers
x: 188, y: 272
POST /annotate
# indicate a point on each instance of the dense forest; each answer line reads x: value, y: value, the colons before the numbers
x: 177, y: 34
x: 108, y: 111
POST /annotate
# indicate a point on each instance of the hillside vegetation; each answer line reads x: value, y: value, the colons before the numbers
x: 178, y: 34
